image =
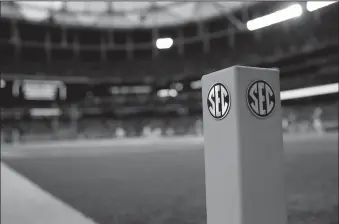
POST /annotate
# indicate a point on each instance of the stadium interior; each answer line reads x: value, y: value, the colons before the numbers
x: 116, y: 78
x: 131, y: 70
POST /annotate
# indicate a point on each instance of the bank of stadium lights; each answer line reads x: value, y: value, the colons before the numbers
x: 314, y: 5
x: 162, y: 93
x: 287, y: 13
x: 178, y: 86
x: 45, y: 112
x: 164, y: 43
x: 196, y: 84
x: 130, y: 89
x: 310, y: 91
x: 173, y: 91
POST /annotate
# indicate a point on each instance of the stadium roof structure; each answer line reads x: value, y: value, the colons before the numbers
x: 126, y: 15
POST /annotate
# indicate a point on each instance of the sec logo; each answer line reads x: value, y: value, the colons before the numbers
x: 260, y: 98
x: 218, y: 101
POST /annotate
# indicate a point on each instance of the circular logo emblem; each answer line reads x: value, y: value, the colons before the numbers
x: 218, y: 101
x: 260, y: 98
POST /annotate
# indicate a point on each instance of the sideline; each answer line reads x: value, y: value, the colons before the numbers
x: 24, y: 202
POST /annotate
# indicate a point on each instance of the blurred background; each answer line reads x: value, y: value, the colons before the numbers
x: 75, y: 70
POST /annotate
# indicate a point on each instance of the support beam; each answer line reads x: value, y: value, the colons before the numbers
x: 229, y: 15
x: 48, y: 46
x: 155, y: 36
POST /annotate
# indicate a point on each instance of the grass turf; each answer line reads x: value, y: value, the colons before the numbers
x: 168, y: 186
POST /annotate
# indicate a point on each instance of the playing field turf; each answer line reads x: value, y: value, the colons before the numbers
x: 166, y: 185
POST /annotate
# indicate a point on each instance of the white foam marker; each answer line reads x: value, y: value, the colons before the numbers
x: 243, y: 146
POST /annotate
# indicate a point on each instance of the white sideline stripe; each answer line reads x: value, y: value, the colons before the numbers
x: 24, y: 202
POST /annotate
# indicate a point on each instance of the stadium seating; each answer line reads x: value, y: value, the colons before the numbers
x: 304, y: 58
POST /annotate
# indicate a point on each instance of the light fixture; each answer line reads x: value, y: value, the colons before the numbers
x: 164, y: 43
x: 290, y: 12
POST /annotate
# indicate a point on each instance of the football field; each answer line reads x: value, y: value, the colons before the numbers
x: 164, y: 183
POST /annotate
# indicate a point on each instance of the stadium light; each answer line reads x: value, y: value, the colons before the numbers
x: 178, y: 86
x: 172, y: 93
x: 162, y: 93
x: 309, y: 91
x: 196, y: 84
x: 290, y: 12
x: 167, y: 92
x: 314, y: 5
x: 45, y: 112
x: 142, y: 89
x: 164, y: 43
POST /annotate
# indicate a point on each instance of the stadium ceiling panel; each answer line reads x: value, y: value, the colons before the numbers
x: 118, y: 14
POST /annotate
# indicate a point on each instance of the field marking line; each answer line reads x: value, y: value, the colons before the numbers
x: 22, y: 201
